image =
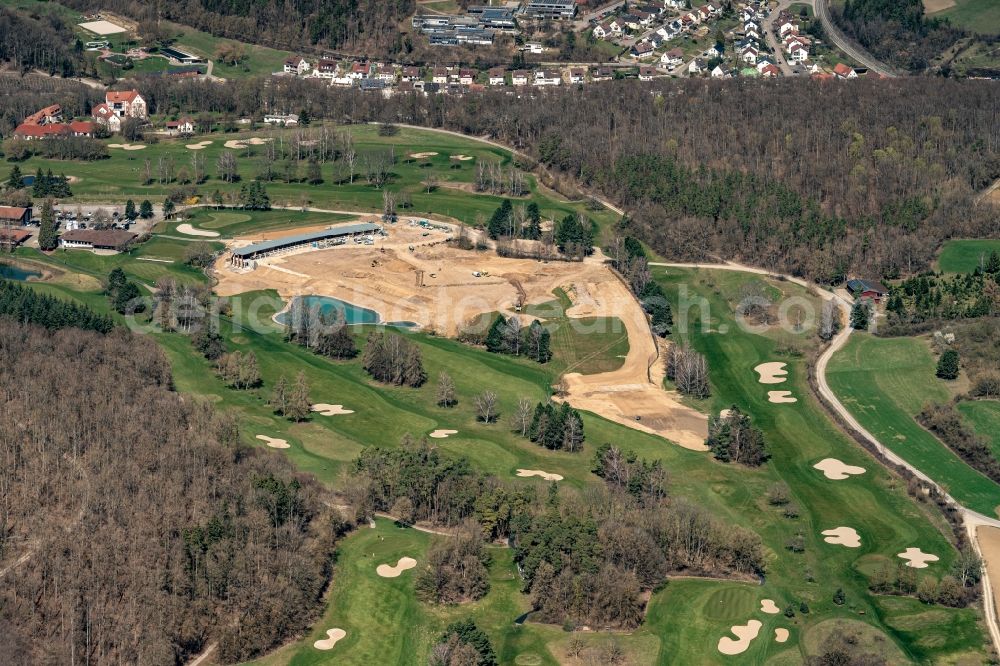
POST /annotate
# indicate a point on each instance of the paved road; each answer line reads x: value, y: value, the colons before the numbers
x: 841, y: 41
x: 771, y: 37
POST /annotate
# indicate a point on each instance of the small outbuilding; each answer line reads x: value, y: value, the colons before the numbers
x: 867, y: 289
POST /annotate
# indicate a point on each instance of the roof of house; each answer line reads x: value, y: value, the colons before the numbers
x: 302, y: 239
x: 41, y: 114
x: 842, y: 69
x: 40, y: 131
x: 294, y: 60
x: 118, y: 96
x: 82, y: 126
x: 12, y: 212
x: 17, y: 236
x: 102, y: 111
x: 858, y: 284
x: 100, y: 237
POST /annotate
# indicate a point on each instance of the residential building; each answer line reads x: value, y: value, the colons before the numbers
x: 646, y: 72
x: 497, y: 76
x: 577, y: 75
x: 544, y: 77
x: 672, y: 58
x: 296, y: 65
x: 519, y: 78
x: 126, y: 104
x: 182, y: 126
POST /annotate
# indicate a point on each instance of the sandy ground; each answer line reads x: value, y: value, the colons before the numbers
x: 744, y: 633
x: 236, y: 144
x: 780, y: 397
x: 103, y: 28
x: 772, y: 373
x: 843, y: 536
x: 324, y: 409
x: 420, y: 156
x: 434, y: 285
x: 780, y: 635
x: 328, y: 643
x: 768, y: 606
x: 127, y: 146
x: 404, y: 563
x: 273, y: 442
x: 462, y: 158
x: 188, y: 230
x: 442, y: 434
x: 917, y: 559
x: 201, y: 145
x: 537, y: 472
x: 989, y: 545
x: 836, y: 469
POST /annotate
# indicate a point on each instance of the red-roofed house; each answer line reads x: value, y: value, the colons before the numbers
x: 46, y: 116
x: 842, y: 71
x: 103, y: 115
x: 30, y: 132
x: 126, y: 103
x: 16, y: 215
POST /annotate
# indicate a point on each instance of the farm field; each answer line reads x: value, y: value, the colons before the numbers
x: 885, y: 382
x: 980, y: 16
x: 965, y: 256
x: 686, y: 618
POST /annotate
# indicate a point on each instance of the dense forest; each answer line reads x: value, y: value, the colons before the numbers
x: 44, y: 42
x: 97, y: 564
x: 896, y: 31
x: 867, y: 182
x: 288, y: 25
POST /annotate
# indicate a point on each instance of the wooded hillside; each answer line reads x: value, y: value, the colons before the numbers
x: 133, y: 526
x: 814, y: 178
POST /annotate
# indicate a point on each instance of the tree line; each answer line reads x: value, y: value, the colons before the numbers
x: 23, y: 304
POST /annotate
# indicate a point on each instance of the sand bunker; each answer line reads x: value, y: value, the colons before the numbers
x: 328, y: 643
x: 404, y: 563
x: 273, y: 442
x: 127, y: 146
x: 916, y: 558
x: 780, y: 635
x: 462, y: 158
x: 441, y: 434
x: 772, y: 373
x: 768, y: 606
x: 837, y: 470
x: 243, y: 143
x: 420, y: 156
x: 843, y: 536
x: 201, y: 145
x: 538, y: 472
x: 725, y: 413
x: 324, y: 409
x: 744, y: 634
x: 191, y: 231
x: 780, y: 397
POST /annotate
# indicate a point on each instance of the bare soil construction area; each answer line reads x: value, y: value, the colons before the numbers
x: 413, y: 275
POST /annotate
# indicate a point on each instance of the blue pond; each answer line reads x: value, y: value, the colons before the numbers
x: 16, y: 273
x: 352, y: 314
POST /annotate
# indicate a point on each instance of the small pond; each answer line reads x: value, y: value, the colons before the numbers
x: 9, y: 272
x: 352, y: 314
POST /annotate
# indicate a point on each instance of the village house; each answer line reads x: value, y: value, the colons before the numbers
x: 73, y: 128
x: 697, y: 66
x: 48, y: 115
x: 871, y: 289
x: 497, y: 76
x: 842, y: 71
x: 577, y: 75
x: 722, y: 72
x: 126, y: 104
x: 410, y: 73
x: 284, y: 119
x: 646, y: 73
x: 672, y: 58
x: 182, y: 126
x: 466, y: 77
x: 798, y: 53
x: 519, y: 78
x: 601, y: 73
x: 642, y: 49
x: 359, y: 71
x: 544, y: 77
x: 440, y: 75
x: 385, y: 73
x: 296, y: 65
x: 749, y: 55
x: 769, y: 70
x: 326, y: 69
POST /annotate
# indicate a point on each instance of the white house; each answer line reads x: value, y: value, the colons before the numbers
x: 497, y: 76
x: 697, y: 66
x: 547, y: 78
x: 721, y: 72
x: 519, y: 78
x: 326, y: 69
x: 577, y: 75
x: 749, y: 55
x: 798, y: 53
x: 286, y: 119
x: 126, y: 104
x: 296, y: 65
x: 672, y: 58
